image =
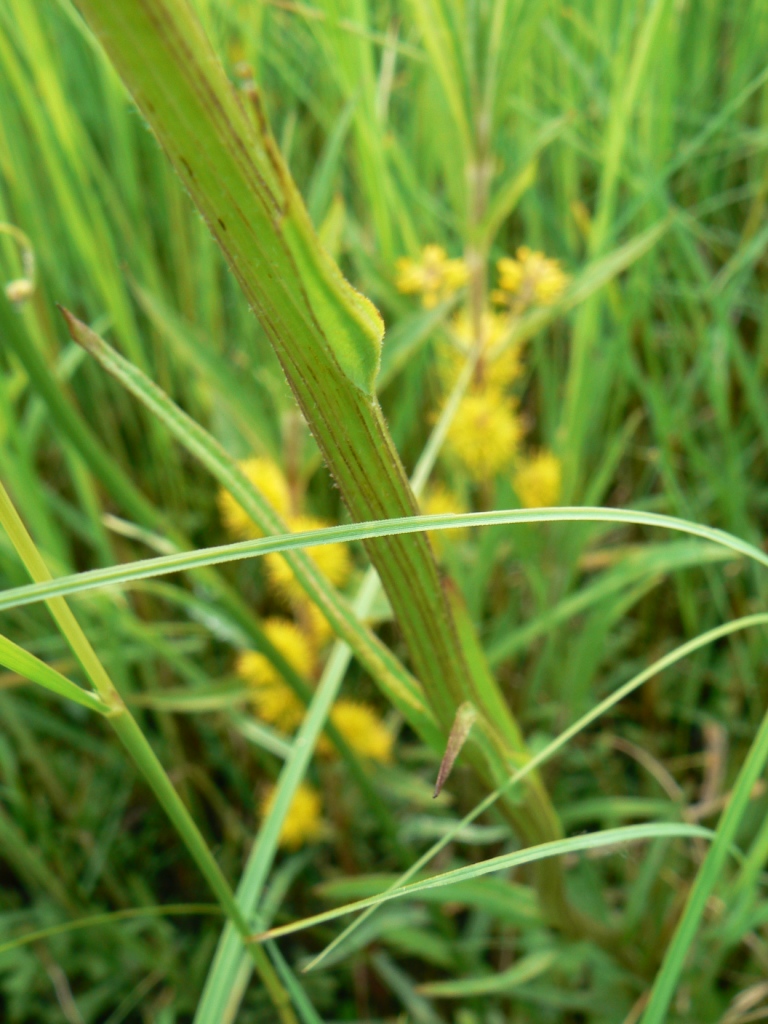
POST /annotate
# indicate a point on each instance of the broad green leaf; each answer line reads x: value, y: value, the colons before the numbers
x: 234, y: 171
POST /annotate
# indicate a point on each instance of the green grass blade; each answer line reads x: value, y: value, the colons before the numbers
x: 18, y: 660
x: 505, y: 862
x: 544, y: 755
x: 706, y: 879
x: 400, y: 687
x: 120, y: 575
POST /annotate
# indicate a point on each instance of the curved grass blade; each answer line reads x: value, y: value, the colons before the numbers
x: 544, y: 755
x: 139, y: 749
x: 396, y: 682
x: 120, y: 575
x: 506, y: 861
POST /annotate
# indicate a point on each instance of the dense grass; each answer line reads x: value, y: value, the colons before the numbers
x: 640, y: 117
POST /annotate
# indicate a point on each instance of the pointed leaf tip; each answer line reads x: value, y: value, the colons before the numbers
x: 466, y: 716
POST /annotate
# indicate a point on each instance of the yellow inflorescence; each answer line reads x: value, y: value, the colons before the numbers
x: 537, y: 480
x: 268, y: 478
x: 333, y: 560
x: 363, y: 730
x: 438, y: 500
x: 273, y: 699
x: 532, y: 277
x: 434, y: 276
x: 318, y: 626
x: 303, y: 823
x: 485, y: 433
x: 500, y: 364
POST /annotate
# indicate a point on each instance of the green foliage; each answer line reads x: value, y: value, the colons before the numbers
x: 624, y: 139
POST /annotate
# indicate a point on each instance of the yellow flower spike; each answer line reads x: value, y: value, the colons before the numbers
x: 538, y: 479
x: 532, y: 277
x: 269, y: 479
x: 333, y: 560
x: 363, y: 730
x: 438, y: 500
x: 303, y: 823
x: 434, y: 277
x: 279, y: 706
x: 485, y: 433
x: 510, y: 276
x: 273, y: 700
x: 551, y: 285
x: 495, y: 369
x: 319, y: 627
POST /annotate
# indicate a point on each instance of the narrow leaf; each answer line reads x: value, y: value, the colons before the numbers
x: 18, y: 660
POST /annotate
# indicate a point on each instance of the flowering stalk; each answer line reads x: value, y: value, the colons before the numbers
x: 327, y: 338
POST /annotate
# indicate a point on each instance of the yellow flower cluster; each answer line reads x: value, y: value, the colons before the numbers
x: 300, y: 642
x: 363, y: 730
x: 435, y: 277
x: 267, y: 477
x: 486, y: 434
x: 303, y: 822
x: 273, y: 700
x: 538, y: 479
x: 333, y: 560
x: 530, y: 278
x: 439, y: 501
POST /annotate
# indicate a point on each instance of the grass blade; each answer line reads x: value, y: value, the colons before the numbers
x: 120, y: 575
x: 505, y: 862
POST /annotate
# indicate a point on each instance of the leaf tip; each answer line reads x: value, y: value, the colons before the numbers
x: 466, y: 715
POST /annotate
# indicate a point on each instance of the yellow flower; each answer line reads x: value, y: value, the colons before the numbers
x: 273, y: 700
x: 303, y: 822
x: 532, y: 277
x: 497, y: 367
x: 438, y: 500
x: 538, y: 479
x: 268, y: 478
x: 363, y: 730
x: 333, y: 561
x: 511, y: 274
x: 319, y: 627
x: 485, y: 433
x: 434, y: 277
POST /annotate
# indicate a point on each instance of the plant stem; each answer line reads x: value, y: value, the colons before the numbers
x: 325, y: 336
